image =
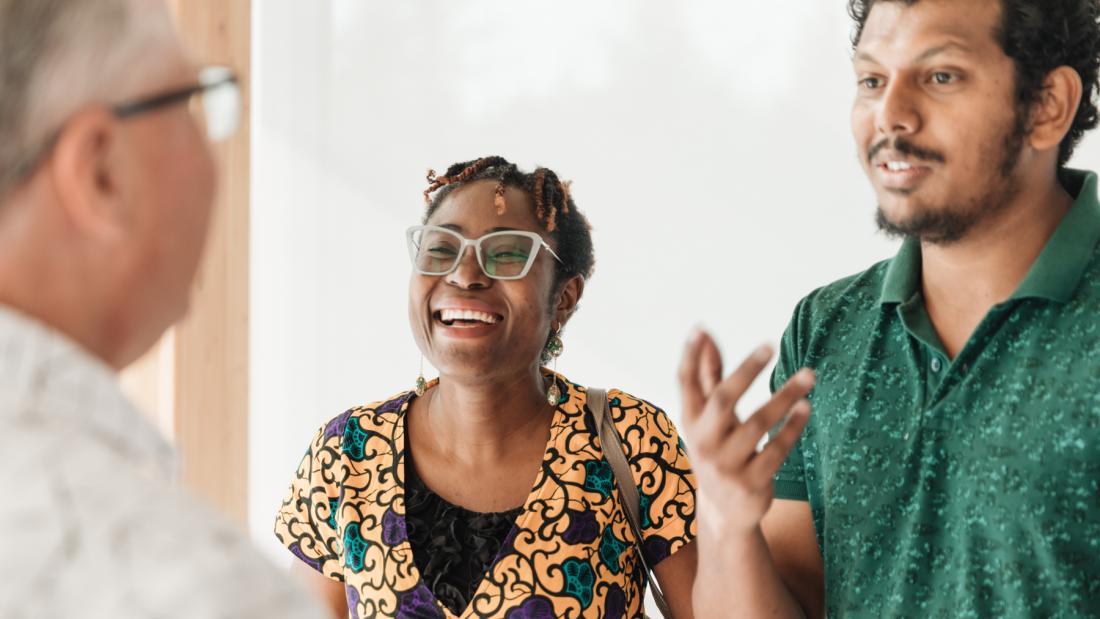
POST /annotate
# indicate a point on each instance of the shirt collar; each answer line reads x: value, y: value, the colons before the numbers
x: 902, y: 279
x: 1054, y: 275
x: 1058, y: 269
x: 46, y: 377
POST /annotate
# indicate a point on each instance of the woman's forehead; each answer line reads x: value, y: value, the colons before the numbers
x: 471, y: 209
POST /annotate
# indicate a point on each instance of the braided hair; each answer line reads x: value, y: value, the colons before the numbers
x: 555, y: 209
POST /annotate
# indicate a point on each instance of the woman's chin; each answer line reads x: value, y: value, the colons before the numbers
x: 476, y: 368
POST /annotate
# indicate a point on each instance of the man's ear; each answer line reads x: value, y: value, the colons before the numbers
x: 84, y: 168
x: 1053, y: 114
x: 568, y: 298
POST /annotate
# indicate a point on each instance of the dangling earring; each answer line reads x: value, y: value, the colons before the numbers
x: 421, y: 384
x: 553, y: 350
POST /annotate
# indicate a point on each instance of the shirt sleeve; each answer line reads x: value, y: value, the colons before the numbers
x: 790, y: 480
x: 662, y: 471
x: 306, y: 521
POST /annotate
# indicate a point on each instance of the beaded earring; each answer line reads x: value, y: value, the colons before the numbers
x: 553, y: 350
x: 421, y: 384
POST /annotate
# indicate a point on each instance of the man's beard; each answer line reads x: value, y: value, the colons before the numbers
x: 951, y: 223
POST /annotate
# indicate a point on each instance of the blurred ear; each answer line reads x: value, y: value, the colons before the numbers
x: 568, y: 298
x: 85, y: 172
x: 1053, y: 114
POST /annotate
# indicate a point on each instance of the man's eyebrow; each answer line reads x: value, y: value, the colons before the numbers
x: 925, y: 55
x: 939, y: 49
x: 861, y: 55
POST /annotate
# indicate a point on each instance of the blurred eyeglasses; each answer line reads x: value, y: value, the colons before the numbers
x: 215, y: 102
x: 502, y: 255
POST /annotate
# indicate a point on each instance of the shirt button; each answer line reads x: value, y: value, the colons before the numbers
x: 936, y: 364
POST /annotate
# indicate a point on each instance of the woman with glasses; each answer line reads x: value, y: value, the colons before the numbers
x: 488, y: 491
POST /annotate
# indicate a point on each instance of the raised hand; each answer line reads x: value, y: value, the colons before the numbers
x: 735, y: 479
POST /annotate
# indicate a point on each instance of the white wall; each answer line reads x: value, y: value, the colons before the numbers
x: 708, y: 143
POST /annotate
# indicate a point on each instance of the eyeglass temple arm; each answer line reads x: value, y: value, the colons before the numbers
x: 169, y: 98
x: 552, y: 253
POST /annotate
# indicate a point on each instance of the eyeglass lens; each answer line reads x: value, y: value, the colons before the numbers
x: 217, y: 109
x: 502, y: 254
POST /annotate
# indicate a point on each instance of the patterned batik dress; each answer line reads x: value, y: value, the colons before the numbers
x: 570, y: 552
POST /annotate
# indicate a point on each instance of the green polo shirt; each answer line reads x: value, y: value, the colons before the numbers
x: 956, y: 488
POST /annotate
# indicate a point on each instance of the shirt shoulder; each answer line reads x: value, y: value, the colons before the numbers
x: 351, y: 430
x: 632, y: 410
x: 831, y: 314
x: 848, y: 296
x: 97, y: 536
x: 662, y: 474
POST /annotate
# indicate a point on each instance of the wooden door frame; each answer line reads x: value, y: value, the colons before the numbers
x: 195, y: 382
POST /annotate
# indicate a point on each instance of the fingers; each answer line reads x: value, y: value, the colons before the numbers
x: 728, y: 392
x: 692, y: 396
x: 713, y: 427
x: 710, y: 367
x: 768, y: 461
x: 770, y: 414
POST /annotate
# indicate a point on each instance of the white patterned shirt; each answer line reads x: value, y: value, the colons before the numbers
x: 91, y: 523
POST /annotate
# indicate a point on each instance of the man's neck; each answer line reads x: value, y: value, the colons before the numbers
x: 55, y: 288
x: 962, y: 281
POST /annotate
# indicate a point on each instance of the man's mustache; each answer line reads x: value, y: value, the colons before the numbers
x: 904, y: 147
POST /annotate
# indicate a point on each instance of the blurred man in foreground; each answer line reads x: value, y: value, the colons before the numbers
x: 106, y: 187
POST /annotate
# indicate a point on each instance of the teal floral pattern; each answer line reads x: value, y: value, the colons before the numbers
x: 571, y: 552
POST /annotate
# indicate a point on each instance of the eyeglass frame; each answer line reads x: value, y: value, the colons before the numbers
x: 476, y: 244
x: 172, y: 97
x: 130, y: 109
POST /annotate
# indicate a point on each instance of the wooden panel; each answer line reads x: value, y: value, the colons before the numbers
x: 150, y: 383
x: 211, y: 345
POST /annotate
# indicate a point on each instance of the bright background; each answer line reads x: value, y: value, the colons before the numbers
x: 708, y: 143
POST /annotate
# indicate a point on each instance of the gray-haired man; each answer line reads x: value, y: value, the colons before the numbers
x: 106, y: 186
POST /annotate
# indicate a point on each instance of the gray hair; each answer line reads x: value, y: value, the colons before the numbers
x: 59, y: 55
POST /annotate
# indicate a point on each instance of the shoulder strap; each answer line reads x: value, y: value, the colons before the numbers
x: 613, y: 450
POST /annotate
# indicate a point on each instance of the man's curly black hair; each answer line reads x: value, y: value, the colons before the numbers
x: 554, y: 206
x: 1039, y: 36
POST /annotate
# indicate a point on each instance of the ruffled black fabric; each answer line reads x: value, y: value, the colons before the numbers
x: 452, y: 547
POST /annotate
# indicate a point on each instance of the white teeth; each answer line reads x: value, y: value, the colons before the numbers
x: 898, y: 166
x: 450, y: 315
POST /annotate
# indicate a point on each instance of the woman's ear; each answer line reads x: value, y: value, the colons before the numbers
x: 568, y: 297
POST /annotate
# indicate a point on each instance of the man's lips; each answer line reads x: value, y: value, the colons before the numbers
x: 900, y: 172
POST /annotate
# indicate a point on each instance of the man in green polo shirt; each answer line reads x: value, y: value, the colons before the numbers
x: 951, y: 466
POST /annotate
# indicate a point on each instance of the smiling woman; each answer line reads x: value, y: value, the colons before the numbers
x: 487, y: 492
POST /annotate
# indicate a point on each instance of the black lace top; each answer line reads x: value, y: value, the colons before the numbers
x: 452, y: 547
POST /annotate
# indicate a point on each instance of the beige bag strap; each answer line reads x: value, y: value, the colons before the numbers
x: 613, y: 450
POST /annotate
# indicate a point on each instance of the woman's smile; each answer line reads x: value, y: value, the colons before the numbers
x: 465, y: 318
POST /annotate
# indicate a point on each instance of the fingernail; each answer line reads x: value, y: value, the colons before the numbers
x: 805, y: 377
x: 691, y: 339
x: 763, y: 353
